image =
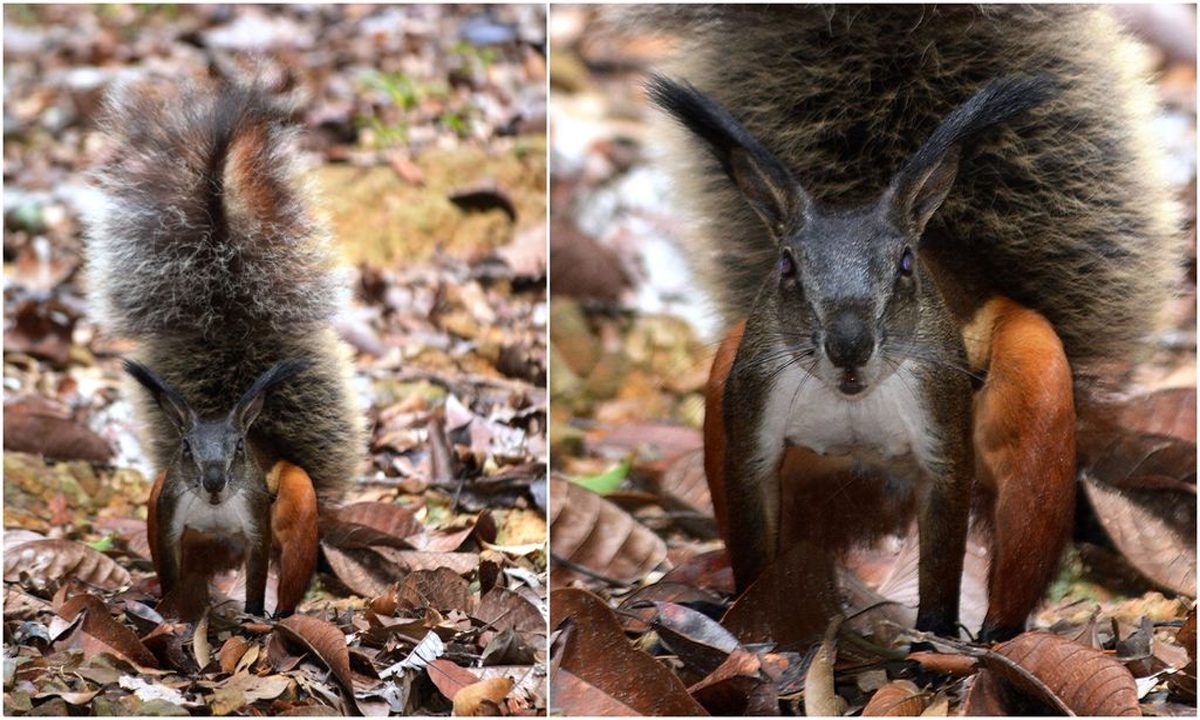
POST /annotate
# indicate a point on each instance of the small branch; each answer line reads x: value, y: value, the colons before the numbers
x: 985, y: 653
x: 576, y: 567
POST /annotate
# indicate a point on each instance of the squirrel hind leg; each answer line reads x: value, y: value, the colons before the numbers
x: 714, y: 423
x: 152, y: 522
x: 1024, y: 435
x: 294, y: 533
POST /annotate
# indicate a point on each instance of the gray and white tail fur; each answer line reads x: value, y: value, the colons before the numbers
x: 208, y: 255
x: 1065, y: 210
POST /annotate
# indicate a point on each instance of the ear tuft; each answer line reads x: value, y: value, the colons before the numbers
x: 762, y: 179
x: 168, y: 399
x: 248, y: 408
x: 923, y: 183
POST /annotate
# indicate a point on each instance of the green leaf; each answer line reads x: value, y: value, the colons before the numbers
x: 608, y: 481
x: 104, y: 543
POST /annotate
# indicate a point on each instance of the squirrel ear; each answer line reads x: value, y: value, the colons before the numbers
x: 917, y: 192
x: 176, y: 409
x: 923, y: 183
x: 246, y: 411
x: 762, y: 179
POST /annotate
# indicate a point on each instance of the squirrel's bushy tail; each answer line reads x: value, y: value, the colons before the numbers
x: 1066, y: 210
x: 206, y: 228
x: 207, y: 253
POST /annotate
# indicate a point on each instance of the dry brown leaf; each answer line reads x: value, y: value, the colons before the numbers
x: 945, y: 662
x: 42, y: 428
x: 1122, y: 457
x: 503, y: 609
x: 327, y: 642
x: 408, y: 171
x: 244, y: 689
x: 637, y: 619
x: 899, y: 698
x: 46, y: 561
x: 200, y: 646
x: 581, y: 266
x: 686, y: 482
x: 700, y: 642
x: 820, y: 697
x: 939, y: 706
x: 461, y: 563
x: 526, y: 254
x: 576, y: 697
x: 41, y: 329
x: 448, y: 677
x: 101, y: 633
x: 598, y: 653
x: 1168, y: 411
x: 443, y: 539
x: 1187, y: 634
x: 441, y: 459
x: 232, y: 652
x: 365, y: 571
x: 366, y: 524
x: 1154, y: 529
x: 1084, y: 679
x: 528, y: 684
x: 482, y: 698
x: 592, y: 532
x: 790, y: 603
x: 441, y: 589
x: 738, y: 687
x: 987, y: 696
x: 709, y: 571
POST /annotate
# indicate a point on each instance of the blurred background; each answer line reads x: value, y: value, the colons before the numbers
x: 424, y: 128
x: 632, y: 340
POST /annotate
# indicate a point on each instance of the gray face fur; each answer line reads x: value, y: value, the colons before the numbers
x: 848, y: 285
x: 212, y: 460
x: 212, y: 454
x: 847, y: 282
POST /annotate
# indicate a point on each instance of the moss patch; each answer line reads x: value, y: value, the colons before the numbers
x: 381, y: 219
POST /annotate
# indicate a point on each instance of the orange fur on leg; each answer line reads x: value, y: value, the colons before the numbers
x: 152, y: 518
x: 714, y: 422
x: 293, y: 533
x: 1025, y: 460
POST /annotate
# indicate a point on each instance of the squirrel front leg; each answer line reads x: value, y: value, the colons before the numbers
x: 258, y: 556
x: 294, y: 532
x: 944, y: 499
x: 944, y: 509
x: 1025, y: 454
x: 752, y: 451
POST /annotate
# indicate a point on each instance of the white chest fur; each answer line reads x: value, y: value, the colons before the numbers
x: 231, y: 520
x: 888, y: 422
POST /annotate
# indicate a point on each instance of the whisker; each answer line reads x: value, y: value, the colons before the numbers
x: 918, y: 355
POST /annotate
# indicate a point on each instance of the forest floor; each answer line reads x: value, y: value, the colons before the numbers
x: 640, y: 582
x: 424, y: 128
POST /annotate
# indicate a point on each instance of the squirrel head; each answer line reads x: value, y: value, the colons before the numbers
x: 848, y: 281
x: 213, y: 459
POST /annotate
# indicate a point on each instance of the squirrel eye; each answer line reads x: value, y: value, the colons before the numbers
x: 906, y: 262
x: 241, y: 444
x: 187, y: 447
x: 787, y: 266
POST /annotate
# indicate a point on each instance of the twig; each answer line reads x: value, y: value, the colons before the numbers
x: 975, y: 651
x: 441, y: 459
x: 576, y: 567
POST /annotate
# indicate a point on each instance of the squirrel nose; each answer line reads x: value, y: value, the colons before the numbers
x: 214, y: 478
x: 848, y: 341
